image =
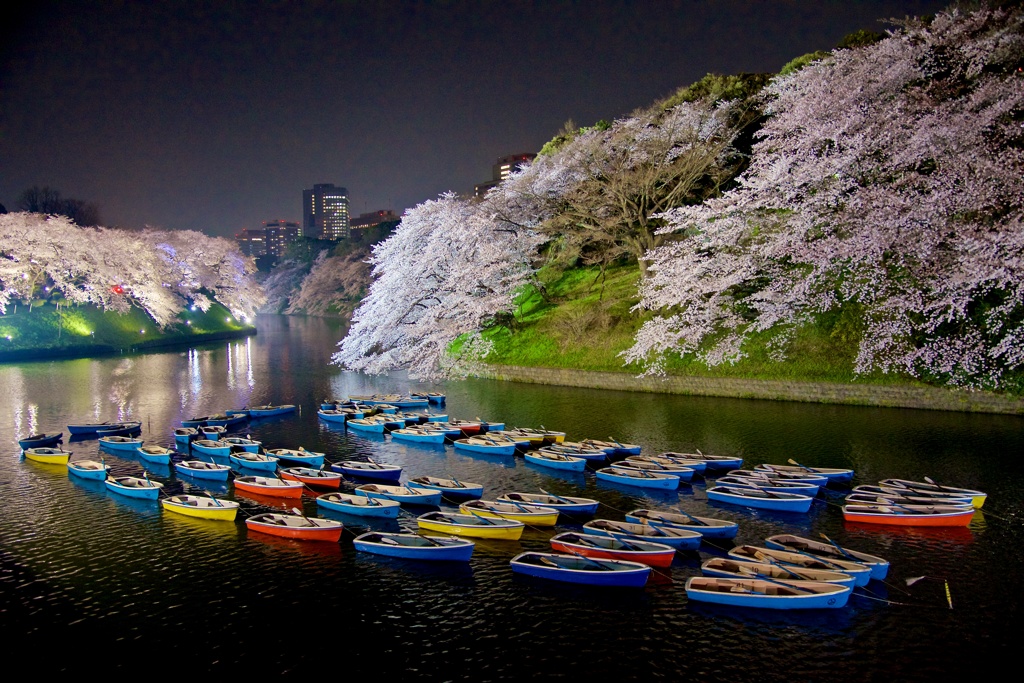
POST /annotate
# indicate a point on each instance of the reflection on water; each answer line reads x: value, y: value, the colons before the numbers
x: 98, y: 572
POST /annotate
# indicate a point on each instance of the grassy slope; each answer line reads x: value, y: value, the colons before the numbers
x: 584, y: 326
x: 84, y: 330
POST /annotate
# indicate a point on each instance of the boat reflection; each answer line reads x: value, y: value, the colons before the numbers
x: 955, y: 534
x: 318, y: 548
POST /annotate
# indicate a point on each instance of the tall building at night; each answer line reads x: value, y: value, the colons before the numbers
x: 502, y: 169
x: 325, y: 212
x: 270, y: 240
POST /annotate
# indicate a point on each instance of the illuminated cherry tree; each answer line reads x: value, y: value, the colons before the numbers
x: 448, y: 269
x: 888, y: 180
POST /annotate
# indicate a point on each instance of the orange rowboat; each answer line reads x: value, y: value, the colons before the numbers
x: 909, y: 515
x: 269, y: 486
x: 297, y: 527
x: 312, y: 477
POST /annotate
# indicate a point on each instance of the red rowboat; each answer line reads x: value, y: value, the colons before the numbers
x: 610, y: 548
x: 312, y: 477
x: 296, y: 527
x: 910, y: 515
x: 269, y: 486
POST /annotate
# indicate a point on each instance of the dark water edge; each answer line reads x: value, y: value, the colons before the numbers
x: 105, y: 350
x: 91, y: 582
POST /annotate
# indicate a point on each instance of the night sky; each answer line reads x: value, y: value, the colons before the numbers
x: 214, y: 116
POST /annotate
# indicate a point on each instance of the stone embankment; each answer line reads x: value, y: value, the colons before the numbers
x: 928, y: 398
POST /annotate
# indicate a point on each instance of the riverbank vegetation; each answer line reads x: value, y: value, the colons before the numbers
x: 856, y: 217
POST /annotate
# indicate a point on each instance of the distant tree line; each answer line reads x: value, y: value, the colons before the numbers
x: 50, y: 202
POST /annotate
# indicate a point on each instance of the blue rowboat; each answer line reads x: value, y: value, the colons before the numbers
x: 765, y: 594
x: 580, y: 569
x: 834, y: 474
x: 487, y: 427
x: 334, y: 415
x: 364, y: 506
x: 680, y: 539
x: 88, y: 469
x: 613, y: 447
x: 451, y: 488
x: 418, y: 435
x: 158, y: 455
x: 225, y: 420
x: 708, y: 527
x: 239, y: 411
x: 766, y: 484
x: 120, y: 443
x: 485, y: 445
x: 212, y: 431
x: 195, y: 421
x: 858, y: 570
x: 556, y: 461
x: 270, y: 410
x: 433, y: 397
x: 577, y: 450
x: 368, y: 470
x: 450, y: 431
x: 415, y: 546
x: 713, y: 462
x: 121, y: 429
x: 253, y: 461
x: 243, y: 443
x: 186, y: 434
x: 642, y: 478
x: 805, y: 478
x: 567, y: 505
x: 437, y: 417
x: 729, y: 567
x: 200, y: 469
x: 684, y: 473
x: 134, y: 487
x: 40, y: 440
x: 302, y: 457
x: 212, y: 447
x: 85, y: 428
x: 761, y: 499
x: 374, y: 424
x: 698, y: 466
x: 830, y: 550
x: 401, y: 494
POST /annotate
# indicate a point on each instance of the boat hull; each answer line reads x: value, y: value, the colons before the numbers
x: 498, y: 532
x: 570, y: 463
x: 629, y: 575
x: 225, y: 513
x: 327, y: 534
x: 796, y: 503
x: 666, y: 483
x: 752, y: 593
x: 42, y: 455
x: 384, y: 509
x: 959, y: 518
x: 97, y: 474
x: 452, y: 551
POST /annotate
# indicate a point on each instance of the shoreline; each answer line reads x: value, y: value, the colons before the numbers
x: 105, y: 350
x: 923, y: 398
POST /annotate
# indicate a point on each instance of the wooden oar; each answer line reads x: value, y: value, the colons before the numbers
x: 769, y: 560
x: 695, y: 520
x: 840, y: 548
x: 489, y: 521
x: 791, y: 461
x: 564, y: 500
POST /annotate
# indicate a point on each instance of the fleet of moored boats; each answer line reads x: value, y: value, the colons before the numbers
x: 788, y: 572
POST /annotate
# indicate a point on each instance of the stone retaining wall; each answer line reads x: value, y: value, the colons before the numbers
x: 929, y: 398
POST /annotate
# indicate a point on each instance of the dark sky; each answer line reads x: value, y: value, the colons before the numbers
x: 214, y: 116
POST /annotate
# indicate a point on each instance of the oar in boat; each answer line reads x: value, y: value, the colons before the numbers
x: 614, y: 441
x: 521, y: 507
x: 889, y: 503
x: 840, y: 548
x: 824, y: 560
x: 693, y: 519
x: 765, y: 558
x: 556, y: 496
x: 791, y: 461
x: 929, y: 480
x: 213, y: 498
x: 599, y: 565
x: 489, y: 521
x: 300, y: 514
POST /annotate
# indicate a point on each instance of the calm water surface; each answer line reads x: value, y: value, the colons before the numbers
x: 91, y: 582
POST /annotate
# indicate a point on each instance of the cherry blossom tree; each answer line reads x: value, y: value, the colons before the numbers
x: 448, y: 269
x: 888, y: 180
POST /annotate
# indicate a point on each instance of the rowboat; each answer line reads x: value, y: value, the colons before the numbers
x: 120, y: 429
x: 197, y: 421
x: 418, y: 435
x: 364, y: 506
x: 488, y: 445
x: 415, y: 546
x: 713, y: 462
x: 534, y: 515
x: 212, y: 447
x: 50, y: 456
x: 134, y: 487
x: 312, y: 477
x: 400, y: 494
x: 537, y: 437
x: 679, y: 539
x: 467, y: 428
x: 759, y: 498
x: 582, y: 570
x: 834, y: 474
x: 40, y: 440
x: 637, y: 477
x: 859, y: 571
x: 412, y: 417
x: 742, y: 569
x: 202, y: 507
x: 245, y: 443
x: 803, y: 478
x: 339, y: 415
x: 297, y: 527
x: 683, y: 472
x: 450, y: 432
x: 200, y: 469
x: 766, y: 594
x: 159, y: 455
x: 269, y: 486
x: 225, y: 420
x: 297, y: 457
x: 911, y: 495
x: 369, y: 470
x: 88, y: 469
x: 486, y: 426
x: 476, y: 526
x: 434, y: 397
x: 977, y: 497
x: 770, y: 485
x: 567, y: 505
x: 449, y: 487
x: 374, y: 424
x: 557, y: 461
x: 89, y: 427
x: 253, y: 461
x: 613, y: 447
x: 909, y: 515
x: 708, y: 527
x: 611, y: 548
x: 120, y: 443
x: 186, y: 434
x: 890, y: 498
x: 577, y: 450
x: 879, y: 566
x: 244, y: 410
x: 698, y: 466
x: 270, y: 410
x: 213, y: 431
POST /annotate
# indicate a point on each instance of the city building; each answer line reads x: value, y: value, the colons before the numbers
x: 502, y: 169
x: 325, y: 212
x: 270, y: 240
x: 369, y: 220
